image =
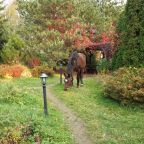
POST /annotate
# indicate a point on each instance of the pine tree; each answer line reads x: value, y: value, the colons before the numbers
x: 131, y: 27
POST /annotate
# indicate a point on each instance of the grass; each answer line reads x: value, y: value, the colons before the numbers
x: 23, y: 121
x: 21, y: 115
x: 107, y: 121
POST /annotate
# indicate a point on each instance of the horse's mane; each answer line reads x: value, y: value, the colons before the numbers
x: 71, y: 62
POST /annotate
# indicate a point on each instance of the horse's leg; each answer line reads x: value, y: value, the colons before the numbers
x: 81, y: 76
x: 72, y: 80
x: 78, y: 78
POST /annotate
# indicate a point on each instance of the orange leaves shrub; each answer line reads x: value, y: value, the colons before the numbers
x: 17, y: 70
x: 7, y: 71
x: 126, y: 85
x: 38, y: 70
x: 4, y: 71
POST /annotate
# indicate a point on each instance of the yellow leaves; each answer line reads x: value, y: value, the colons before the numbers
x: 8, y: 76
x: 26, y: 73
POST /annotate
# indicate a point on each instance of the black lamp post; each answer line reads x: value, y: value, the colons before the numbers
x: 43, y: 77
x: 61, y: 71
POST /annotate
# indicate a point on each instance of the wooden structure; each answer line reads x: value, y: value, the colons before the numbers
x: 104, y: 47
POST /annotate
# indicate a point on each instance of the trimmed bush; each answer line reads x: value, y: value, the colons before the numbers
x: 126, y: 85
x: 38, y: 70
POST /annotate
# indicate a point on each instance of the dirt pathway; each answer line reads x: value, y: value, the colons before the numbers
x: 75, y: 124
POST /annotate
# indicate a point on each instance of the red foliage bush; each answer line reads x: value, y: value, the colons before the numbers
x: 11, y: 71
x: 34, y: 62
x: 17, y: 70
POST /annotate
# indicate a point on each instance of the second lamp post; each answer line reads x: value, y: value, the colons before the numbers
x: 61, y: 71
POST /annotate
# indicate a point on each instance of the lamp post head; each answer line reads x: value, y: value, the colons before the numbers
x: 43, y: 77
x: 61, y: 65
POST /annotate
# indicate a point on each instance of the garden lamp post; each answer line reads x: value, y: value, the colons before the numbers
x: 61, y: 71
x: 43, y: 77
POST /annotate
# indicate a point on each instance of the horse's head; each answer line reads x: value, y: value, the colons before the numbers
x: 68, y: 81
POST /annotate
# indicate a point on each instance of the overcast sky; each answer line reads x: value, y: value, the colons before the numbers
x: 7, y: 2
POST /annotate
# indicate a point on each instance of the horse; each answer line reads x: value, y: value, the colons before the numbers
x: 76, y: 62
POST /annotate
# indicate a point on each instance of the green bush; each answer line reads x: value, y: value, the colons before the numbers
x: 104, y: 66
x: 11, y: 52
x: 126, y: 85
x: 38, y: 70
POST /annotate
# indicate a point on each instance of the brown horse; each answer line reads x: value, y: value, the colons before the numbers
x: 76, y: 62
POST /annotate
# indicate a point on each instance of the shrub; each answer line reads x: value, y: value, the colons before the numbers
x: 7, y: 71
x: 33, y: 62
x: 11, y: 52
x: 126, y: 85
x: 104, y: 66
x: 38, y: 70
x: 26, y: 73
x: 17, y: 70
x: 10, y: 55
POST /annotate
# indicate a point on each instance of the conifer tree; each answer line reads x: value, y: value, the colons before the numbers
x: 131, y: 27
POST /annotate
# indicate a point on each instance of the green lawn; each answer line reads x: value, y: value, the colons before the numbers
x: 107, y: 121
x: 21, y: 115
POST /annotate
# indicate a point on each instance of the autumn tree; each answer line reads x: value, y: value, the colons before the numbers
x: 41, y: 41
x: 52, y: 28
